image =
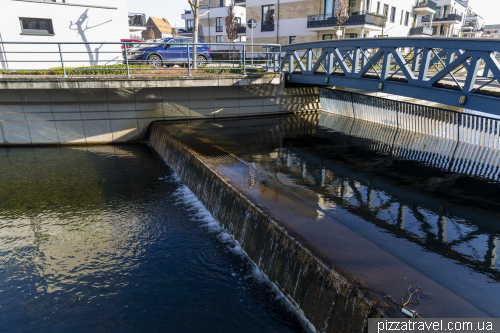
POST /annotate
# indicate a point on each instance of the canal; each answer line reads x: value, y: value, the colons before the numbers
x: 108, y: 239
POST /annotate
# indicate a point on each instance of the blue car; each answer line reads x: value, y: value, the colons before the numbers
x: 173, y: 52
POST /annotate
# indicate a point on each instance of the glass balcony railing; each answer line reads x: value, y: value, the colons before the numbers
x: 426, y: 4
x: 136, y: 20
x: 421, y: 31
x: 319, y: 21
x: 449, y: 17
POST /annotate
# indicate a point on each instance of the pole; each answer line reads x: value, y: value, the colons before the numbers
x: 62, y: 61
x: 252, y: 47
x: 189, y: 61
x: 126, y: 59
x: 244, y: 62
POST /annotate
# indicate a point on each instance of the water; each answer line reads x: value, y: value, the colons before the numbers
x: 445, y: 224
x: 108, y: 239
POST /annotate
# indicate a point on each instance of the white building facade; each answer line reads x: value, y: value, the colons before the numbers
x: 60, y: 21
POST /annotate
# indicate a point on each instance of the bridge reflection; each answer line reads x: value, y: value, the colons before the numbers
x: 366, y: 171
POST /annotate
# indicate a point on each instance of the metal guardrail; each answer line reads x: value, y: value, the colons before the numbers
x: 462, y: 72
x: 155, y: 57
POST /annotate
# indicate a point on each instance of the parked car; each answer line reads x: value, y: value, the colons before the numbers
x: 169, y: 52
x: 133, y: 43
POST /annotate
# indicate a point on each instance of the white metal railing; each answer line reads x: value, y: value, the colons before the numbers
x: 158, y: 56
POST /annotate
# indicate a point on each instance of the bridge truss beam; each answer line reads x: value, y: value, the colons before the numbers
x: 462, y: 72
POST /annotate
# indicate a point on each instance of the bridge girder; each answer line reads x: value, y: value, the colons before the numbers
x: 428, y: 71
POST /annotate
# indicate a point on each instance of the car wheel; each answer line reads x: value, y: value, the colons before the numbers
x: 154, y: 60
x: 201, y: 61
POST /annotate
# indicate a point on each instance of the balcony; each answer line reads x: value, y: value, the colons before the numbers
x: 320, y: 22
x: 446, y: 19
x: 136, y: 22
x: 243, y: 29
x: 422, y: 31
x: 267, y: 26
x: 425, y: 8
x: 472, y: 17
x: 240, y: 2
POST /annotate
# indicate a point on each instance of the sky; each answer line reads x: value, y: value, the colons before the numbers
x: 172, y: 9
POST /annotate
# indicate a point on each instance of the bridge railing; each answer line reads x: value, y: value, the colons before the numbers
x: 126, y: 58
x: 462, y: 72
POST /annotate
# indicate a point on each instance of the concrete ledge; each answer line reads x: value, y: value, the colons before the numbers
x: 136, y: 81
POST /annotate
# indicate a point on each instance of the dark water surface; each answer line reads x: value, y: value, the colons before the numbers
x: 444, y: 224
x: 108, y: 239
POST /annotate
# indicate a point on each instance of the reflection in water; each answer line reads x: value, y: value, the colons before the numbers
x: 109, y: 239
x: 446, y: 224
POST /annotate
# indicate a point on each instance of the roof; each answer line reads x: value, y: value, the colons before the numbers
x: 162, y: 25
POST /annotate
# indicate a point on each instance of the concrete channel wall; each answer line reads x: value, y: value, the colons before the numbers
x: 105, y: 110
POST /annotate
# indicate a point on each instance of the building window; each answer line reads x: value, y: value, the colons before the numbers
x: 328, y: 9
x: 218, y: 24
x: 268, y: 14
x: 378, y: 7
x: 402, y: 15
x: 189, y: 25
x: 34, y: 26
x: 352, y: 6
x: 386, y: 11
x: 292, y: 39
x: 328, y: 37
x: 351, y: 35
x: 218, y: 39
x: 407, y: 18
x: 393, y: 14
x: 368, y: 3
x: 221, y: 3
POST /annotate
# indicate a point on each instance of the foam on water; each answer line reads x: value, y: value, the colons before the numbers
x: 200, y: 214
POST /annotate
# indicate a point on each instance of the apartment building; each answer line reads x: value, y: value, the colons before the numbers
x: 213, y: 23
x: 61, y: 21
x: 287, y: 22
x: 448, y: 18
x: 491, y: 31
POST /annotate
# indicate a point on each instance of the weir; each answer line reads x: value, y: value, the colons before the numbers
x: 335, y: 276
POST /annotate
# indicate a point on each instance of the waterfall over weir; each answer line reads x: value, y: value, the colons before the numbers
x: 450, y: 140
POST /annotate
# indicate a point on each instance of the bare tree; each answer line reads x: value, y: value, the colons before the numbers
x: 232, y: 25
x: 174, y: 32
x: 380, y: 21
x: 195, y: 7
x: 151, y: 33
x: 341, y: 13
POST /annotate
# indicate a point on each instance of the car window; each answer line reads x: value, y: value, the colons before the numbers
x: 187, y: 41
x: 175, y: 42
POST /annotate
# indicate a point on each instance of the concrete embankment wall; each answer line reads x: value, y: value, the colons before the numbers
x: 454, y: 141
x: 113, y: 111
x: 328, y: 299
